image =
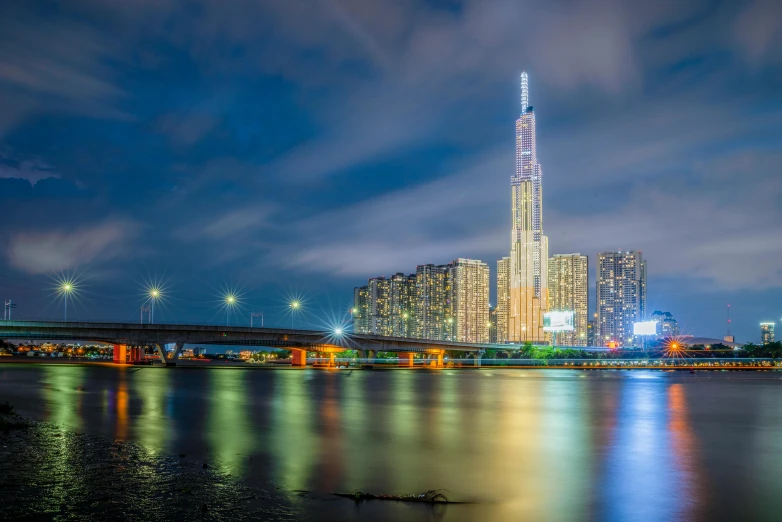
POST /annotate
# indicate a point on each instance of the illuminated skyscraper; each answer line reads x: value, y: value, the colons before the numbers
x: 621, y: 296
x: 569, y: 291
x: 529, y: 247
x: 503, y: 299
x: 361, y: 310
x: 766, y: 333
x: 469, y: 280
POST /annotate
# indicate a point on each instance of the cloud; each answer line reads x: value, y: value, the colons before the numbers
x: 432, y: 222
x: 30, y: 170
x: 720, y: 224
x: 38, y: 253
x: 758, y: 31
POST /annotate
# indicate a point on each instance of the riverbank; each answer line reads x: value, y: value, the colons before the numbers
x: 703, y: 364
x: 49, y: 473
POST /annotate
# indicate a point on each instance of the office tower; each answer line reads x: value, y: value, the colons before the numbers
x: 503, y: 300
x: 529, y: 247
x: 568, y: 285
x: 469, y: 279
x: 667, y: 326
x: 621, y: 296
x: 432, y: 308
x: 361, y: 310
x: 766, y: 333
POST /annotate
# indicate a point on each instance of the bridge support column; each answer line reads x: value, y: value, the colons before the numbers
x: 476, y: 361
x: 332, y: 363
x: 177, y: 351
x: 120, y: 353
x: 406, y: 359
x: 298, y: 357
x: 161, y: 351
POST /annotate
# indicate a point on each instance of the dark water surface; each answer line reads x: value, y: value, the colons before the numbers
x: 522, y: 444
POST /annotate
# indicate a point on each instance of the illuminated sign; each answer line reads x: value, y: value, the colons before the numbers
x: 645, y: 328
x: 558, y: 321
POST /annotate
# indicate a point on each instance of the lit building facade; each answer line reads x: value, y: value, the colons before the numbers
x: 568, y: 284
x: 469, y: 279
x: 667, y: 325
x: 503, y: 300
x: 766, y: 333
x: 621, y: 297
x: 361, y: 310
x: 433, y: 318
x: 528, y: 289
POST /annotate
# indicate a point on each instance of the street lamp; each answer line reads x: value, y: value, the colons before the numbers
x: 295, y: 306
x: 154, y: 295
x: 65, y: 290
x: 230, y: 302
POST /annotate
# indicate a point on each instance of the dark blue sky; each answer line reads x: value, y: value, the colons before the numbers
x: 297, y: 147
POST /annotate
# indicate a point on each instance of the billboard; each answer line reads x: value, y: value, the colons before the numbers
x: 645, y: 328
x: 559, y: 321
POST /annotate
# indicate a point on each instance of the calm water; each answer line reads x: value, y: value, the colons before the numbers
x: 534, y: 445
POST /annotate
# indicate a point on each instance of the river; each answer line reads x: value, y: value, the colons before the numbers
x: 558, y: 445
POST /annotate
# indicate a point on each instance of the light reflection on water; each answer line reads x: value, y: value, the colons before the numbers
x: 541, y: 445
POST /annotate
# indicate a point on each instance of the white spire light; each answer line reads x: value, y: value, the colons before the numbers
x: 524, y: 92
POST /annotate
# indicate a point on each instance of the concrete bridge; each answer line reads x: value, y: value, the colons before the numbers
x: 124, y: 336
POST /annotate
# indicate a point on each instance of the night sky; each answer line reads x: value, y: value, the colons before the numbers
x: 295, y: 148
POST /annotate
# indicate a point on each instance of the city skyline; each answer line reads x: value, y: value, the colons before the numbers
x: 205, y: 148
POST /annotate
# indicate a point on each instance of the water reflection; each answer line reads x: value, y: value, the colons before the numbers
x: 228, y: 428
x: 536, y: 445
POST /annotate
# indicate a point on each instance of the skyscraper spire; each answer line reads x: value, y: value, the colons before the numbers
x: 524, y: 92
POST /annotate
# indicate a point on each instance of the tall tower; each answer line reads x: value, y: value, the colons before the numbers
x: 529, y: 247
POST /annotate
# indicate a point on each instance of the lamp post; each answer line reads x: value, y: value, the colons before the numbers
x: 66, y: 289
x: 230, y: 302
x: 295, y: 306
x: 154, y: 294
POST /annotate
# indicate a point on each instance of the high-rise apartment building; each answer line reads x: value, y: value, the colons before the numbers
x: 439, y: 302
x: 621, y: 296
x: 568, y: 284
x: 402, y: 305
x: 503, y: 300
x: 529, y: 247
x: 432, y: 306
x: 380, y: 306
x: 361, y: 310
x: 469, y: 279
x: 766, y: 333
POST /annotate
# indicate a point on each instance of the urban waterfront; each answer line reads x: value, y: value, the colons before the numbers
x: 515, y: 444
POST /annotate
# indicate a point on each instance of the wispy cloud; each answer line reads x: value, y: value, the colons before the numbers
x: 45, y: 252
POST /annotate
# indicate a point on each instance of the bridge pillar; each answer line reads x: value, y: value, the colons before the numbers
x: 440, y: 356
x: 177, y: 351
x: 120, y: 353
x: 406, y: 359
x: 298, y: 357
x: 476, y: 359
x: 331, y: 360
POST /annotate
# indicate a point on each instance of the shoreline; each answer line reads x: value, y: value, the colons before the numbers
x: 217, y: 364
x: 49, y: 472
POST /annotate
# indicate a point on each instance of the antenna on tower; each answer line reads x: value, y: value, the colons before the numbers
x: 524, y: 92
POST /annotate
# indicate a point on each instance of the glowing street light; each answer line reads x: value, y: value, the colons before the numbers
x: 230, y: 301
x: 154, y: 294
x: 295, y: 306
x: 338, y: 331
x: 65, y: 289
